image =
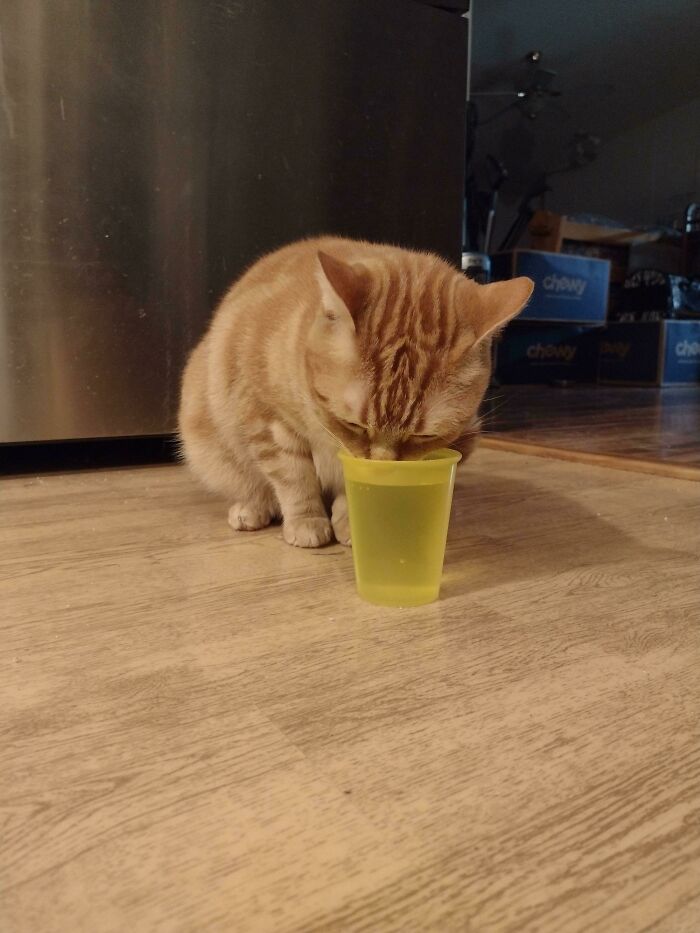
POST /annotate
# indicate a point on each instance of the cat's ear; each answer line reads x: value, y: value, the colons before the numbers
x: 344, y: 287
x: 492, y: 306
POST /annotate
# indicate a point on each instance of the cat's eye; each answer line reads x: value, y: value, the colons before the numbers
x: 427, y: 437
x: 352, y: 426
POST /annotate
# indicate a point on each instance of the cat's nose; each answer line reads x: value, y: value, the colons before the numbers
x: 383, y: 452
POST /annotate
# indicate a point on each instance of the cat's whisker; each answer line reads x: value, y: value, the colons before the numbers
x: 494, y: 410
x: 497, y: 400
x: 488, y: 425
x: 331, y: 434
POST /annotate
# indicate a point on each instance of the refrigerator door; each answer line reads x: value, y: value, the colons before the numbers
x: 150, y: 151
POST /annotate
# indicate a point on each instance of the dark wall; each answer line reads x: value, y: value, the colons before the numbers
x: 343, y: 117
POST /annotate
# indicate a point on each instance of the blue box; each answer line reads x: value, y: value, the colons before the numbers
x: 657, y: 353
x: 570, y: 289
x: 537, y: 353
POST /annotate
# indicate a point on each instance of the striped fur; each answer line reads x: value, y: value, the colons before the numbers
x: 329, y: 343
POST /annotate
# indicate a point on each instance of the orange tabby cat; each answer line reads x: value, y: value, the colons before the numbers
x: 329, y: 343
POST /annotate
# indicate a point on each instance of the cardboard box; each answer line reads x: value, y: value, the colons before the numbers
x: 556, y: 233
x: 568, y: 289
x: 650, y: 295
x: 536, y: 353
x: 654, y: 353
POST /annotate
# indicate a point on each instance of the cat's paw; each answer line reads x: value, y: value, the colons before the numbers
x: 307, y: 532
x: 243, y: 517
x: 341, y: 521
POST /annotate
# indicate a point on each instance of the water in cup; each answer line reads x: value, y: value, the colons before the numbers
x: 414, y: 518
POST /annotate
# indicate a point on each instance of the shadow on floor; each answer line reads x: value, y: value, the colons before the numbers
x: 503, y: 530
x: 101, y: 453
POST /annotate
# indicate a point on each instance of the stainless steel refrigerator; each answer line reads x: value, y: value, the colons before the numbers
x: 151, y: 149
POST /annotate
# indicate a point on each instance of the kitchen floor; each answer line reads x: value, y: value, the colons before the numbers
x: 205, y: 731
x: 646, y: 425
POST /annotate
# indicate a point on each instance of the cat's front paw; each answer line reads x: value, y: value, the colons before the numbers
x: 341, y: 521
x: 243, y: 517
x: 307, y: 532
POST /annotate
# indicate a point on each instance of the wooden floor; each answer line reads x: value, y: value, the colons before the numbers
x: 203, y: 731
x: 653, y: 425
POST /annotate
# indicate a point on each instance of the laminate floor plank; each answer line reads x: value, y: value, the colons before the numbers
x: 209, y: 731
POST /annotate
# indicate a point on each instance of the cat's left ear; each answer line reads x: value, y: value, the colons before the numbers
x: 496, y: 304
x: 344, y: 287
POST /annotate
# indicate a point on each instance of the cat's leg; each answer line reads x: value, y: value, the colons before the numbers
x: 221, y: 471
x: 255, y: 511
x: 286, y: 461
x: 341, y: 520
x: 330, y: 474
x: 217, y: 468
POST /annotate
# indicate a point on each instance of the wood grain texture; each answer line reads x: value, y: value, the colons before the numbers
x: 610, y: 461
x: 203, y: 731
x: 645, y: 424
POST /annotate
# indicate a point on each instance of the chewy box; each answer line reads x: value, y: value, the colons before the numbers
x: 650, y: 353
x: 532, y: 353
x: 570, y: 289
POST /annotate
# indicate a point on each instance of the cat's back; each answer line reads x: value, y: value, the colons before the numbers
x: 291, y: 272
x: 277, y: 286
x: 281, y: 291
x: 275, y: 293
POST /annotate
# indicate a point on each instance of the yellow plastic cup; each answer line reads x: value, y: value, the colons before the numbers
x: 399, y: 514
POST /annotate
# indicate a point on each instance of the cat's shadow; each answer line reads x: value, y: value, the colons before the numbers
x: 508, y: 530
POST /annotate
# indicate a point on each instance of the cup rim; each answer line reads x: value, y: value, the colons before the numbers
x: 442, y: 455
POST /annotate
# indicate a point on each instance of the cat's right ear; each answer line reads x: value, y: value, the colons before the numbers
x: 344, y: 288
x: 496, y: 304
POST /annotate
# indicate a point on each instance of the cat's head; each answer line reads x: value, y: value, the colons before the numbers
x: 399, y: 356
